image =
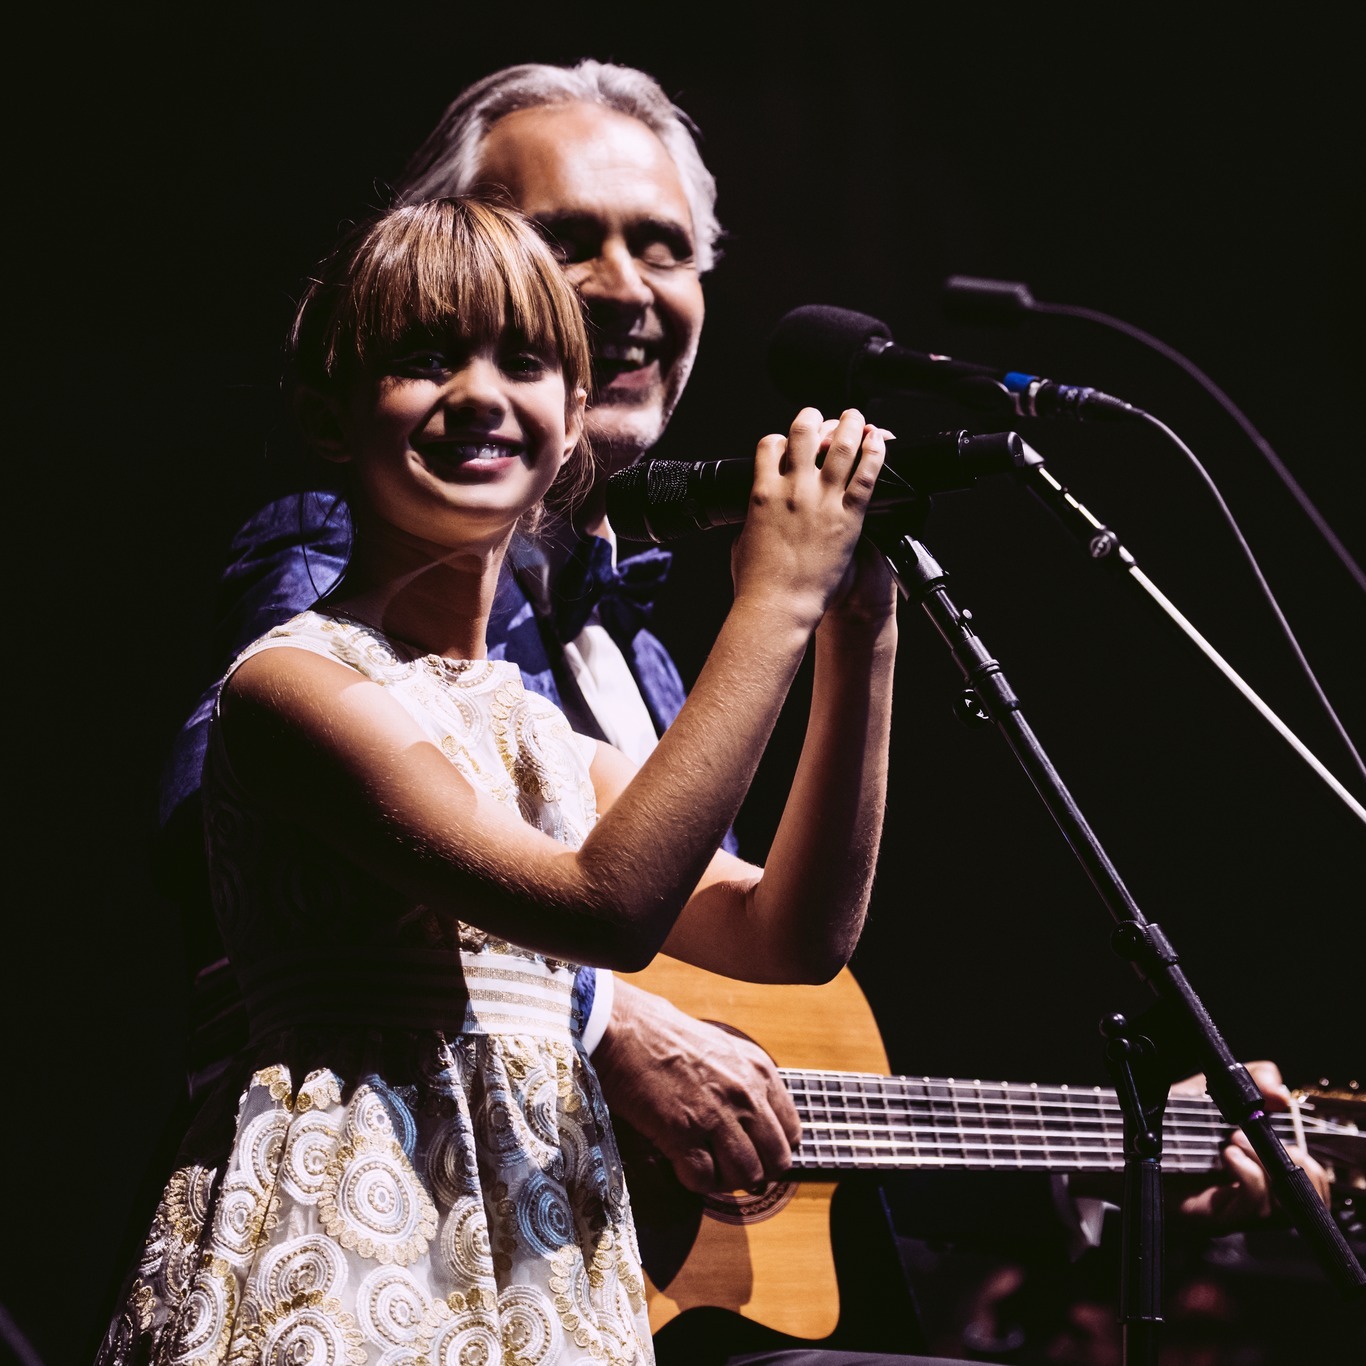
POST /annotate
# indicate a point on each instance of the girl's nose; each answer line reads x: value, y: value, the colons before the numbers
x: 477, y: 386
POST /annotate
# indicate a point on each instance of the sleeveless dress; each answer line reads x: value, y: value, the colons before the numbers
x: 412, y: 1162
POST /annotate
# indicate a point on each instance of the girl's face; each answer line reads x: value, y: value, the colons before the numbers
x: 456, y: 440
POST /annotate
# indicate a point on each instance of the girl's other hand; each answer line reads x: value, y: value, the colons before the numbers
x: 867, y: 595
x: 811, y: 491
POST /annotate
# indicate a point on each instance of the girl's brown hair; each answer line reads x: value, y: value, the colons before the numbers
x: 460, y: 267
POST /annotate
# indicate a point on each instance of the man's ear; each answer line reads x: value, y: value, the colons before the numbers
x: 317, y: 416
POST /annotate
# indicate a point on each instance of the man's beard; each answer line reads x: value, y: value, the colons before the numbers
x: 622, y: 432
x: 623, y: 437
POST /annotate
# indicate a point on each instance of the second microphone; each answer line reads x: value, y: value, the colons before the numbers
x: 662, y: 500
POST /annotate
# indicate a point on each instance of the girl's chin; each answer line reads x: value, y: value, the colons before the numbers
x: 483, y: 520
x: 438, y: 532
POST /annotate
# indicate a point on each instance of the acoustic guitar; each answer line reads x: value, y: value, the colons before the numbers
x: 768, y: 1256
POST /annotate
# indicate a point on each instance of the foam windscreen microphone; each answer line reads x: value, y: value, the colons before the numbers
x: 833, y: 358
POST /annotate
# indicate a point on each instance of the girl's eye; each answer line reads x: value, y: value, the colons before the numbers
x: 421, y: 363
x: 524, y: 363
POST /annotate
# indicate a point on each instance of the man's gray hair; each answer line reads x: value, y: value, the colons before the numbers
x: 447, y: 162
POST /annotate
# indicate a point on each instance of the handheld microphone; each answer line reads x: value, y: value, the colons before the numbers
x: 834, y: 356
x: 661, y: 500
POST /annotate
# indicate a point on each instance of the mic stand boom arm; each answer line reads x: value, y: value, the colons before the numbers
x: 1105, y: 547
x: 1141, y: 942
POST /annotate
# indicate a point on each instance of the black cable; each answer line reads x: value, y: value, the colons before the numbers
x: 984, y: 300
x: 1232, y: 409
x: 1262, y: 584
x: 998, y: 300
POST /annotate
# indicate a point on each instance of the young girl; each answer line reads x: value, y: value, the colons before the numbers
x: 409, y: 851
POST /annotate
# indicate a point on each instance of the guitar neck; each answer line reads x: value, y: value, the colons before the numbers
x: 853, y: 1121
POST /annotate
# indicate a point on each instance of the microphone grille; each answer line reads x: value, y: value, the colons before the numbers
x: 652, y: 500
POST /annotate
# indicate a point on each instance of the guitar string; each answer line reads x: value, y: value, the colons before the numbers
x: 1000, y: 1123
x: 922, y: 1091
x: 962, y: 1150
x: 848, y: 1080
x: 1097, y: 1112
x: 901, y: 1098
x: 819, y: 1107
x: 1297, y: 1119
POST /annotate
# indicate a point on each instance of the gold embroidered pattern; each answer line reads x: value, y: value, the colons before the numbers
x: 531, y: 1334
x: 310, y: 1265
x: 309, y: 1327
x: 371, y: 1201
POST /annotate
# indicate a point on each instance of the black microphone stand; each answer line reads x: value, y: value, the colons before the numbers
x: 1176, y: 1022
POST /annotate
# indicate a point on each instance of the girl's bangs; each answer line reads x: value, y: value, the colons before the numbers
x: 473, y: 275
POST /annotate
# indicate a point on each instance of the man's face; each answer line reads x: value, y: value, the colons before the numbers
x: 608, y: 197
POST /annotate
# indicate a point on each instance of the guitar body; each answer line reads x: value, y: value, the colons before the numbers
x: 766, y: 1257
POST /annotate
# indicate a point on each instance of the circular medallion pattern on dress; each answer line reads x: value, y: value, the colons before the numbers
x: 177, y: 1271
x: 157, y: 1247
x: 451, y: 1167
x: 377, y: 1112
x: 393, y: 1308
x: 501, y: 1123
x: 616, y: 1312
x: 409, y: 1354
x: 310, y: 1265
x: 206, y: 1314
x: 573, y: 1293
x: 237, y: 1225
x: 470, y: 1339
x: 465, y: 1247
x: 188, y: 1193
x: 531, y: 1334
x: 545, y: 1223
x: 470, y: 722
x: 312, y: 1142
x: 260, y: 1147
x: 542, y: 1110
x: 581, y: 1156
x: 372, y: 1201
x: 311, y: 1334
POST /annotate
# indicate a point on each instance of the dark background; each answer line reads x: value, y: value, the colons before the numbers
x: 1196, y: 178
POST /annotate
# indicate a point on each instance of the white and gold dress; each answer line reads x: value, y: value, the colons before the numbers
x: 413, y: 1162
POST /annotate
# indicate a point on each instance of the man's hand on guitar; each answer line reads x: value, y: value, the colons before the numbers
x: 1246, y: 1198
x: 713, y: 1104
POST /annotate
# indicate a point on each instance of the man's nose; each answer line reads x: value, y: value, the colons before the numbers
x: 613, y: 275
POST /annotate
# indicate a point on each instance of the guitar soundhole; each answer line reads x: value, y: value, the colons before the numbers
x: 747, y: 1207
x: 742, y: 1207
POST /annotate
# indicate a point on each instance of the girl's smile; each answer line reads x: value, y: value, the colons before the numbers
x: 472, y: 460
x: 461, y: 438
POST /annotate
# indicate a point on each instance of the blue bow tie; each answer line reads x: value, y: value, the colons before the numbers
x: 623, y: 594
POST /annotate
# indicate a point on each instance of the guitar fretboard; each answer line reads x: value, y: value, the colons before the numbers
x: 852, y: 1121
